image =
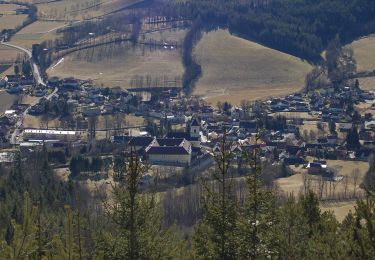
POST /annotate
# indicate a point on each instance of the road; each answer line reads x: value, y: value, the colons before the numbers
x: 19, y: 123
x: 39, y: 80
x: 36, y: 72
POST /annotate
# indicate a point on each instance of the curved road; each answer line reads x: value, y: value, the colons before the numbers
x: 35, y: 68
x: 39, y: 80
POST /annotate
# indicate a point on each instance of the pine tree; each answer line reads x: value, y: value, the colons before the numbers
x: 255, y: 228
x: 23, y: 243
x: 215, y: 234
x: 135, y: 220
x: 291, y: 231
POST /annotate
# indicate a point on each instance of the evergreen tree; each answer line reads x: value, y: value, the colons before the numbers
x: 257, y: 218
x: 352, y: 139
x: 215, y: 234
x: 135, y: 219
x: 291, y: 231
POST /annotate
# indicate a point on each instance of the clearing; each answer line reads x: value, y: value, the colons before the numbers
x: 235, y: 69
x: 364, y: 52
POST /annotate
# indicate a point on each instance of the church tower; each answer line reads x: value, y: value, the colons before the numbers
x: 194, y: 128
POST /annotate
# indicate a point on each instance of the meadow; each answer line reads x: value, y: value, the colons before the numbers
x: 118, y: 65
x: 235, y: 69
x: 364, y: 52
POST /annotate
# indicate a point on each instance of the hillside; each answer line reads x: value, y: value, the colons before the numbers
x: 365, y: 56
x: 364, y: 52
x: 235, y: 69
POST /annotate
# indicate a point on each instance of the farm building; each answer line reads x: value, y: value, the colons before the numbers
x: 46, y: 134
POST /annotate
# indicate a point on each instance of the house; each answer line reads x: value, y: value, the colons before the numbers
x: 46, y: 134
x: 176, y: 152
x: 139, y: 143
x: 250, y: 126
x: 317, y: 167
x: 54, y: 81
x: 294, y: 161
x: 193, y: 136
x: 70, y: 84
x: 15, y: 90
x: 370, y: 125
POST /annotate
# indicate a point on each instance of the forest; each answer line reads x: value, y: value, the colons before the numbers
x: 300, y: 28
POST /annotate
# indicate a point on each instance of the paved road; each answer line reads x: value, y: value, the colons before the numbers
x: 36, y: 72
x: 39, y: 80
x: 19, y: 123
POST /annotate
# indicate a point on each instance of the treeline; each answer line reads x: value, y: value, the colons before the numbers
x: 301, y: 28
x: 192, y: 69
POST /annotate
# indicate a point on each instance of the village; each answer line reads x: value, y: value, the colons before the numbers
x: 301, y: 130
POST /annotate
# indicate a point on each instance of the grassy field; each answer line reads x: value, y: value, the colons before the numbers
x: 295, y: 184
x: 9, y: 9
x: 117, y: 66
x: 364, y: 53
x: 11, y: 21
x: 367, y: 83
x: 235, y: 69
x: 41, y: 27
x: 9, y: 54
x: 69, y: 10
x: 339, y: 209
x: 36, y: 33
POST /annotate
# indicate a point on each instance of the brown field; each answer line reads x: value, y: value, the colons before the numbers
x: 9, y: 8
x: 175, y: 36
x: 367, y: 83
x: 295, y: 183
x: 6, y: 101
x: 36, y: 32
x: 9, y: 54
x: 11, y: 21
x: 28, y: 39
x: 41, y: 27
x: 339, y: 209
x: 235, y: 69
x: 364, y: 52
x: 121, y: 66
x: 79, y: 9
